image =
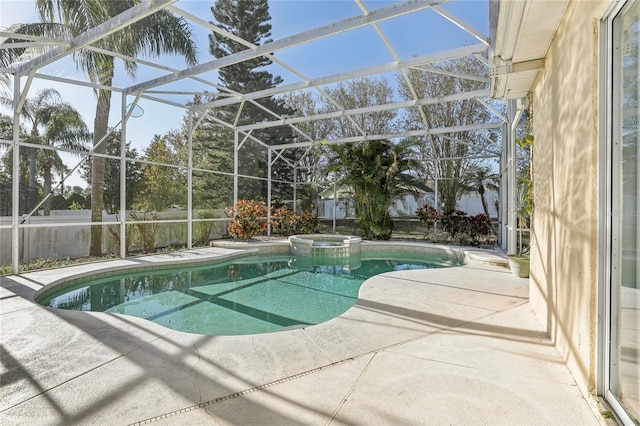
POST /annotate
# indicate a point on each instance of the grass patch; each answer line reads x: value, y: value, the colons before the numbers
x: 607, y: 414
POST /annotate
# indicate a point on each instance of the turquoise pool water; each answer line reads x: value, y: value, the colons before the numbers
x: 244, y: 296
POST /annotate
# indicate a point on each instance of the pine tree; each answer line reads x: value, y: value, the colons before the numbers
x: 247, y: 19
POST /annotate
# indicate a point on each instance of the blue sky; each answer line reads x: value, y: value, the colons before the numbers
x: 415, y: 34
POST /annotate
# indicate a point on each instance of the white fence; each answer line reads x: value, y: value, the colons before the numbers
x: 472, y: 204
x: 469, y: 203
x: 70, y: 238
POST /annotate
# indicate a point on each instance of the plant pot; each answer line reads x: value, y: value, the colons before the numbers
x: 519, y: 265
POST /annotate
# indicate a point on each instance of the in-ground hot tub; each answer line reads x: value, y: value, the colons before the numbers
x: 326, y: 245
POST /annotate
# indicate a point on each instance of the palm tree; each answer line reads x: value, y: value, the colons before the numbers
x: 65, y: 128
x: 378, y: 173
x: 6, y: 170
x: 53, y: 123
x: 159, y: 33
x: 37, y: 111
x: 481, y: 180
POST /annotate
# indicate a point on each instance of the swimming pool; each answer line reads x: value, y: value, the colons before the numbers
x: 248, y: 295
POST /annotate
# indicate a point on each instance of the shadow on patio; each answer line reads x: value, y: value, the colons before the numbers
x: 456, y: 345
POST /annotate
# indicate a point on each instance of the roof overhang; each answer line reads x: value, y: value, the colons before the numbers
x: 522, y: 32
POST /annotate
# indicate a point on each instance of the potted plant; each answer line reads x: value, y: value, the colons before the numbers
x: 519, y: 262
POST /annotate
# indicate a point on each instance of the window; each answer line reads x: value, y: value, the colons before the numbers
x: 623, y: 375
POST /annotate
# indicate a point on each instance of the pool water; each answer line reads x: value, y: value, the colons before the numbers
x: 244, y: 296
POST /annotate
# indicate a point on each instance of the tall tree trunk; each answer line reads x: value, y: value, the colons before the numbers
x: 62, y: 182
x: 33, y: 189
x: 485, y: 207
x: 23, y: 197
x: 100, y: 126
x: 47, y: 189
x: 448, y: 195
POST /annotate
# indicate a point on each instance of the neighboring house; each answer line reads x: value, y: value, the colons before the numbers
x: 580, y: 62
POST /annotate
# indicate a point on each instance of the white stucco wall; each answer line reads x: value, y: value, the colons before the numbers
x: 563, y: 284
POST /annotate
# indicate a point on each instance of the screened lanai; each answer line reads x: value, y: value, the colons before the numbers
x: 274, y: 159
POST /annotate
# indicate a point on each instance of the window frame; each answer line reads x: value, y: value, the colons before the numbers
x: 609, y: 192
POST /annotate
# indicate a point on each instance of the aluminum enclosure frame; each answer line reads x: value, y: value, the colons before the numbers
x: 219, y: 96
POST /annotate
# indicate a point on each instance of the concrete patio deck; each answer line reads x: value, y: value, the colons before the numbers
x: 421, y: 347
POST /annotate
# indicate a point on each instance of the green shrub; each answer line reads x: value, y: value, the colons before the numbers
x: 203, y: 230
x: 478, y: 226
x: 76, y: 200
x: 114, y: 232
x: 428, y: 215
x: 148, y: 231
x: 283, y: 221
x: 58, y: 202
x: 465, y: 229
x: 454, y: 222
x: 75, y: 206
x: 307, y: 223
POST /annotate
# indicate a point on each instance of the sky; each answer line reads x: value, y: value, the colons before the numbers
x: 416, y: 34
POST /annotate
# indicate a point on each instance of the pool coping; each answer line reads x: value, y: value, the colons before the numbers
x: 226, y: 250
